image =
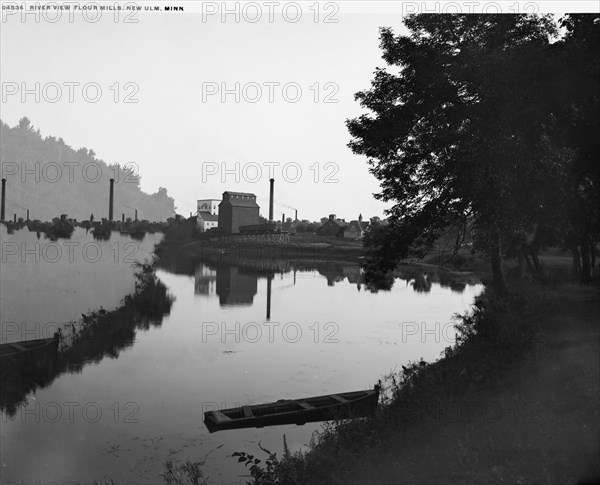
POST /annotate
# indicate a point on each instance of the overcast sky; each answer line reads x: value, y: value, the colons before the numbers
x: 181, y: 130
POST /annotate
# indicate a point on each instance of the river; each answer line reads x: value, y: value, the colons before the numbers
x: 239, y: 331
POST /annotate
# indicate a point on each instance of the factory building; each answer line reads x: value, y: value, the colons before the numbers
x: 237, y: 209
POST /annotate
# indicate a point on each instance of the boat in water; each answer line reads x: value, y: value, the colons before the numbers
x: 330, y: 407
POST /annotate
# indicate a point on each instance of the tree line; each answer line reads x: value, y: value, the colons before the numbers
x: 48, y: 177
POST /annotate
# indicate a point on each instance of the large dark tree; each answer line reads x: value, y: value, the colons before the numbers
x: 462, y: 129
x: 577, y: 99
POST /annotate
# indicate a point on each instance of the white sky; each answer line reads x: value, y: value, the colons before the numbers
x: 173, y: 134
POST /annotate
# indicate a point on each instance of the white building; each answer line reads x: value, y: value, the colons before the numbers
x: 209, y: 205
x: 205, y: 221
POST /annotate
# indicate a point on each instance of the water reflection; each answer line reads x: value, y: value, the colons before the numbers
x: 98, y: 335
x: 176, y: 369
x: 234, y: 278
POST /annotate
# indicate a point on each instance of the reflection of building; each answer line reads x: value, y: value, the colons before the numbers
x: 205, y: 280
x: 206, y: 221
x: 237, y: 209
x: 236, y: 286
x: 209, y: 205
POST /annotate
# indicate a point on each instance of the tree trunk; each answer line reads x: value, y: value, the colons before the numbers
x: 521, y: 258
x: 586, y: 266
x: 576, y: 268
x: 539, y: 270
x: 496, y: 256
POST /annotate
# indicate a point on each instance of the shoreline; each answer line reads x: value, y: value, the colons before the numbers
x: 521, y: 383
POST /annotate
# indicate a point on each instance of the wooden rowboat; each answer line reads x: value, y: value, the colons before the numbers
x: 26, y: 347
x: 346, y: 405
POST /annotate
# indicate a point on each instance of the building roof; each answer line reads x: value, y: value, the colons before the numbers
x: 239, y: 199
x: 247, y: 194
x: 207, y: 216
x: 339, y: 222
x: 358, y: 225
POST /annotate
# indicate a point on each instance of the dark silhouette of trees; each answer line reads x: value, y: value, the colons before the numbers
x: 51, y: 178
x: 465, y: 125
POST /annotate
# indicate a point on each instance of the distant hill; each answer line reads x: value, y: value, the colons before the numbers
x: 48, y: 177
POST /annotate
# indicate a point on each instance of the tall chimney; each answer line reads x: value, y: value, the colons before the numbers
x: 122, y: 218
x: 296, y: 217
x: 27, y: 215
x: 15, y: 217
x: 3, y: 200
x: 110, y: 200
x: 136, y: 215
x: 282, y: 220
x: 271, y: 200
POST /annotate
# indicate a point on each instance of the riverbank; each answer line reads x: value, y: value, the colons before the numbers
x: 301, y: 246
x: 516, y: 401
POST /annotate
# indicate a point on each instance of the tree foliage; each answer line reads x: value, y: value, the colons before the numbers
x: 465, y: 124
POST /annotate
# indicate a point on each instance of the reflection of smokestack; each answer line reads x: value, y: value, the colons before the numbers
x: 110, y: 200
x: 271, y: 200
x: 3, y: 200
x: 296, y: 216
x: 269, y: 278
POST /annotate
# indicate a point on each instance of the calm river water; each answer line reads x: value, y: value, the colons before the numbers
x: 121, y: 414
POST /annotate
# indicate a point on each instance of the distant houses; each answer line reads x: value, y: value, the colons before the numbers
x: 340, y: 228
x: 356, y: 229
x: 332, y: 227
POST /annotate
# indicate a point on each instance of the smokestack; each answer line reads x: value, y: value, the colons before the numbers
x: 3, y: 200
x: 271, y: 200
x: 15, y: 218
x: 136, y: 215
x: 296, y: 216
x: 27, y: 215
x: 111, y: 199
x: 282, y: 220
x: 122, y: 218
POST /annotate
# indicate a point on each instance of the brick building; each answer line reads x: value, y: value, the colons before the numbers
x: 237, y: 209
